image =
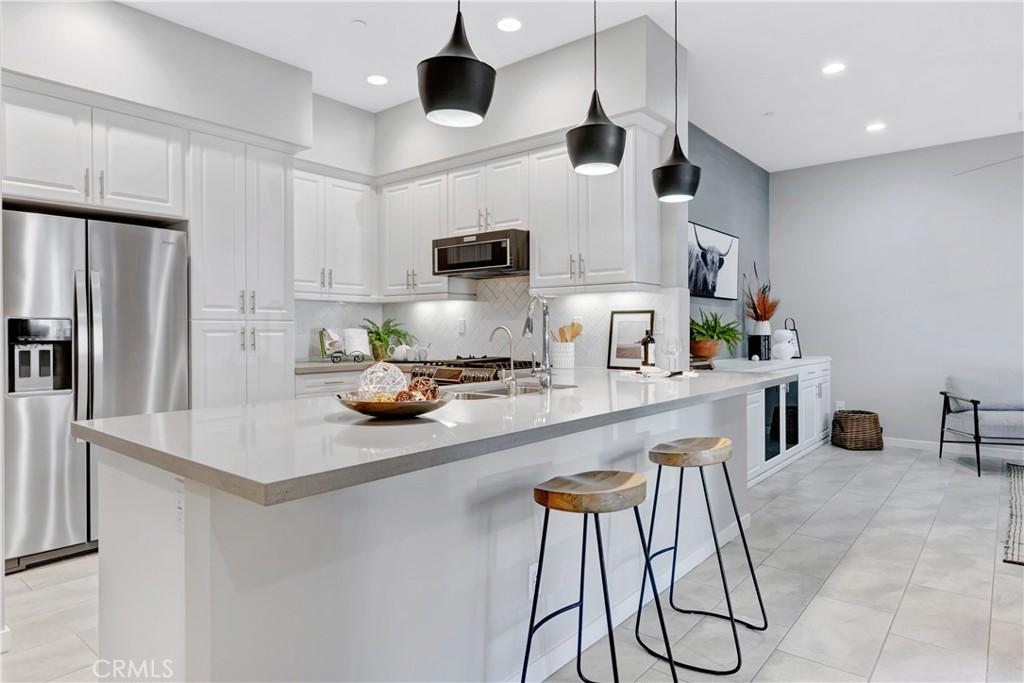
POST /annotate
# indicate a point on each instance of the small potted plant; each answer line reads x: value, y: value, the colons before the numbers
x: 709, y: 333
x: 382, y: 335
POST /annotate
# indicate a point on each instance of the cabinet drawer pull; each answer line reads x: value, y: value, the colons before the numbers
x: 241, y: 301
x: 572, y: 267
x: 330, y: 278
x: 321, y: 278
x: 101, y: 185
x: 242, y: 333
x: 479, y: 219
x: 87, y: 188
x: 252, y: 302
x: 582, y: 269
x: 487, y: 218
x: 414, y: 279
x: 252, y: 337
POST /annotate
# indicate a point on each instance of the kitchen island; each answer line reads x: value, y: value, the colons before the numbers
x: 300, y: 541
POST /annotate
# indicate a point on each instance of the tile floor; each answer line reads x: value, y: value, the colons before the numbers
x: 879, y: 566
x: 883, y: 566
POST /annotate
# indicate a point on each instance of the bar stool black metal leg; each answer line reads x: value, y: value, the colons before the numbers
x: 725, y: 587
x: 746, y: 551
x: 607, y: 602
x: 649, y: 572
x: 579, y: 623
x: 536, y: 593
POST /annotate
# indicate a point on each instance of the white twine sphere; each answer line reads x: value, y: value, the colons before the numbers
x: 382, y: 378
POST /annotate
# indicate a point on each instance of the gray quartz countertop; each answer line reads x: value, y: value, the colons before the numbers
x: 275, y: 452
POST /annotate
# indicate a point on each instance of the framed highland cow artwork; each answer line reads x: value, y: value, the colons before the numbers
x: 714, y: 263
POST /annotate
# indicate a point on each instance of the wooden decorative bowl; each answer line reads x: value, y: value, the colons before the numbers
x: 388, y: 410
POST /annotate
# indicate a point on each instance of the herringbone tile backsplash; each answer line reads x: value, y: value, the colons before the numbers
x: 500, y: 301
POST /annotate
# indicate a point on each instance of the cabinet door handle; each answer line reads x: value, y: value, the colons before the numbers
x: 101, y: 185
x: 321, y: 278
x: 487, y: 218
x: 241, y: 301
x: 582, y: 270
x: 572, y: 267
x: 242, y: 333
x: 87, y: 188
x: 252, y: 337
x: 330, y: 278
x: 252, y: 302
x: 414, y: 279
x: 479, y: 218
x: 408, y: 283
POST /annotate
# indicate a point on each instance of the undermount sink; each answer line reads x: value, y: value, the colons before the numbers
x: 523, y: 389
x: 471, y: 396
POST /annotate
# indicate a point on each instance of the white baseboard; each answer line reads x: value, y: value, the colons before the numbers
x: 5, y: 639
x: 1004, y: 452
x: 563, y: 653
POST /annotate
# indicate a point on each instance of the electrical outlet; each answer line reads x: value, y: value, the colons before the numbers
x: 840, y: 405
x: 462, y: 327
x: 531, y: 580
x: 659, y: 324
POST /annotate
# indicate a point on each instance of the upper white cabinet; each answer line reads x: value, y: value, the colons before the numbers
x: 334, y: 238
x: 494, y: 196
x: 217, y: 230
x: 597, y: 232
x: 269, y: 238
x: 47, y: 147
x: 413, y: 215
x: 139, y: 164
x: 240, y: 234
x: 61, y: 151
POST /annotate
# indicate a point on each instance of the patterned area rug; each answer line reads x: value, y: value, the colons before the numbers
x: 1014, y: 547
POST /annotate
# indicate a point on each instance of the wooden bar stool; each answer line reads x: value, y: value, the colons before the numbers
x: 699, y: 452
x: 591, y: 493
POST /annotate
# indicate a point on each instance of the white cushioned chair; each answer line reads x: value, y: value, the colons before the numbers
x: 987, y: 407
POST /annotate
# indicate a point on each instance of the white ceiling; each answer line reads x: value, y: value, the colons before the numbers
x: 934, y: 72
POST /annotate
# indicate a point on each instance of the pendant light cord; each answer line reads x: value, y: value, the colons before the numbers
x: 458, y: 5
x: 595, y: 45
x: 675, y: 47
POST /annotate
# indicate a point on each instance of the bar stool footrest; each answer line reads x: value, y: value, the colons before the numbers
x: 557, y: 612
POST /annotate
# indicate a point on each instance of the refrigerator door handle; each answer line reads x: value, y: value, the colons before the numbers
x: 97, y: 334
x: 81, y: 349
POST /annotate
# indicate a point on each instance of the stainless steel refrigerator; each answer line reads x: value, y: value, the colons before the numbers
x: 96, y: 325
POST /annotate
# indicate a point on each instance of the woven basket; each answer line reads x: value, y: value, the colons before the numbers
x: 856, y: 430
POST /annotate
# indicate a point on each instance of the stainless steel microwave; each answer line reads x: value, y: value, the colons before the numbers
x: 498, y: 253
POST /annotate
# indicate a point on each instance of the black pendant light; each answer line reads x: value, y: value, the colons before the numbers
x: 596, y: 145
x: 455, y: 86
x: 677, y: 179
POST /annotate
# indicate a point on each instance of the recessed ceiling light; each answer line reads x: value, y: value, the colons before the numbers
x: 875, y: 127
x: 376, y: 79
x: 509, y: 24
x: 833, y: 68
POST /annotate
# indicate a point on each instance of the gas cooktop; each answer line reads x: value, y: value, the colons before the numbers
x: 463, y: 370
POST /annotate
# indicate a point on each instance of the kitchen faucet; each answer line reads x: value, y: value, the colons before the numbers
x: 509, y: 375
x: 543, y: 373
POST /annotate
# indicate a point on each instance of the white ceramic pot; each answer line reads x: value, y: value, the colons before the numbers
x: 761, y: 328
x: 563, y: 355
x: 400, y: 352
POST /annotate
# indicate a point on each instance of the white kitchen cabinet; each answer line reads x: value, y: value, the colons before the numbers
x: 62, y: 151
x: 326, y: 383
x: 234, y: 363
x: 334, y: 238
x: 597, y: 232
x: 216, y: 230
x: 139, y: 164
x: 269, y: 259
x: 815, y: 402
x: 218, y: 363
x: 554, y: 219
x: 308, y: 224
x: 494, y: 196
x: 270, y: 362
x: 413, y: 215
x: 755, y: 431
x: 349, y: 239
x: 47, y: 148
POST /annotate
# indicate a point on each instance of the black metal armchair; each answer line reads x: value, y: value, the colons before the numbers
x: 971, y: 422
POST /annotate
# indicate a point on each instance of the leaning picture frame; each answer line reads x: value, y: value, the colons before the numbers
x: 625, y: 330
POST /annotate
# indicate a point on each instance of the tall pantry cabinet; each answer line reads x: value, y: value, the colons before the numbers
x: 240, y: 237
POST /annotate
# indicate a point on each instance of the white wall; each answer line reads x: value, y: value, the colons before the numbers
x: 121, y: 52
x: 536, y: 96
x: 343, y: 137
x: 904, y: 268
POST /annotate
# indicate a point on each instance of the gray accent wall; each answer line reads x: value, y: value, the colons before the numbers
x: 905, y: 268
x: 733, y: 198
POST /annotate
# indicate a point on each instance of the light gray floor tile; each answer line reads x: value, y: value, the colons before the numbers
x: 1008, y: 598
x: 948, y: 620
x: 868, y: 582
x: 633, y: 661
x: 84, y: 675
x: 14, y: 585
x: 689, y: 594
x: 910, y: 520
x: 955, y: 572
x: 910, y: 661
x: 888, y: 545
x: 710, y: 645
x: 61, y: 572
x: 91, y: 637
x: 785, y: 595
x: 51, y: 598
x: 783, y: 667
x: 40, y: 629
x: 960, y: 538
x: 735, y: 561
x: 838, y: 634
x: 838, y: 522
x: 50, y: 660
x: 807, y: 555
x: 1006, y: 645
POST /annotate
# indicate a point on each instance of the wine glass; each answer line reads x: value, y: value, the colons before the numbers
x: 673, y: 347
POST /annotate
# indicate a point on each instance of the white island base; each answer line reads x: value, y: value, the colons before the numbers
x: 423, y: 576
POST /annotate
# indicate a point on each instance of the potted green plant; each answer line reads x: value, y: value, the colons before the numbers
x: 709, y: 333
x: 382, y: 335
